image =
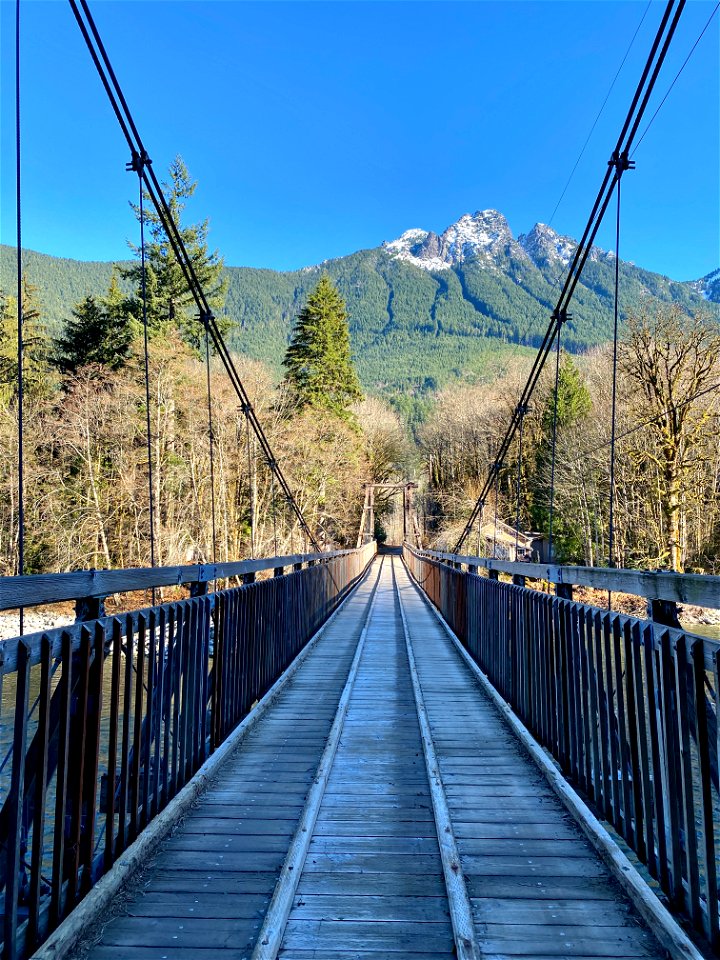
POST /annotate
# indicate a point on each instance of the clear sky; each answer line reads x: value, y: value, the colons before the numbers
x: 319, y: 128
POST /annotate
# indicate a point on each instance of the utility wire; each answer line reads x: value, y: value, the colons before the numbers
x: 600, y: 111
x: 619, y: 162
x: 677, y: 77
x: 122, y: 112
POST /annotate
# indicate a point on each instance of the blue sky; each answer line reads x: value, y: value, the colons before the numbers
x: 315, y: 129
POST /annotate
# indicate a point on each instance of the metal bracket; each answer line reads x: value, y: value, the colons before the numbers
x: 138, y: 163
x: 621, y: 162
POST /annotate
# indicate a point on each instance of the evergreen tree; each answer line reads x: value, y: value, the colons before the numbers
x: 573, y: 406
x: 35, y: 345
x: 169, y: 301
x: 99, y: 332
x: 320, y: 372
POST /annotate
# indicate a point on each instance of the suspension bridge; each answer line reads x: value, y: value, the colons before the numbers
x: 353, y: 754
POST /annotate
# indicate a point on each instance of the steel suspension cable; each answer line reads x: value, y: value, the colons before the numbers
x: 613, y: 413
x: 211, y: 445
x: 251, y: 487
x: 519, y: 477
x: 618, y: 163
x: 496, y: 516
x: 274, y: 514
x: 20, y: 344
x: 152, y: 185
x: 554, y: 447
x: 146, y: 354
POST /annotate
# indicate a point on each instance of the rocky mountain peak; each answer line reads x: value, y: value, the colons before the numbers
x: 481, y: 235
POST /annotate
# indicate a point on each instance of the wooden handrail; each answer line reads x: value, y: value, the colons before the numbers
x: 37, y: 589
x: 698, y: 589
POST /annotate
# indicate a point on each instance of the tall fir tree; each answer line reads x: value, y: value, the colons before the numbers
x: 574, y: 405
x: 98, y: 332
x: 36, y: 345
x: 169, y: 301
x: 320, y: 371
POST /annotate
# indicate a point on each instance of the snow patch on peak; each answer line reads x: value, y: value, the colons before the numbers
x: 543, y: 244
x: 483, y: 235
x: 406, y: 240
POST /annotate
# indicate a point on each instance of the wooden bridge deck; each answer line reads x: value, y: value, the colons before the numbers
x: 370, y: 882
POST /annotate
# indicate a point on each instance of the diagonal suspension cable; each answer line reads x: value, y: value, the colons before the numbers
x: 617, y: 165
x: 155, y: 193
x: 20, y: 345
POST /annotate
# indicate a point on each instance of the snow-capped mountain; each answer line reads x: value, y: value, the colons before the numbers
x: 480, y: 236
x: 484, y: 236
x: 709, y: 286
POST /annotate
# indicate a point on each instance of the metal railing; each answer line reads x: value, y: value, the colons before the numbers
x: 628, y: 707
x: 105, y: 720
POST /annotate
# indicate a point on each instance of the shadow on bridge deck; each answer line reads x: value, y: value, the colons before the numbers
x: 359, y: 813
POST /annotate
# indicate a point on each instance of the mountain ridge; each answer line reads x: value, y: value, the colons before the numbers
x: 425, y: 309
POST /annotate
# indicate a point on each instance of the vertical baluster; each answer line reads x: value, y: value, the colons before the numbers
x: 641, y: 702
x: 40, y: 795
x: 178, y: 750
x: 686, y: 714
x: 615, y: 814
x: 149, y: 720
x: 633, y: 735
x: 125, y: 775
x: 16, y: 801
x: 220, y: 678
x: 76, y: 778
x: 137, y: 746
x: 652, y: 687
x: 671, y: 743
x: 91, y: 762
x: 116, y: 646
x: 705, y: 748
x: 622, y: 732
x: 170, y: 667
x: 588, y: 714
x: 57, y: 900
x: 159, y: 700
x: 205, y: 677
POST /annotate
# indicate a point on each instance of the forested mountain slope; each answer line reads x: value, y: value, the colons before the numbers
x: 424, y: 309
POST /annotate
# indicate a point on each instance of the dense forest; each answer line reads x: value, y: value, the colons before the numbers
x: 413, y: 331
x: 441, y: 357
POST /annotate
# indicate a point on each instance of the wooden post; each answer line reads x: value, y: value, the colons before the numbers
x: 664, y: 612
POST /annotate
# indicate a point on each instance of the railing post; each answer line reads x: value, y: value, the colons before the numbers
x: 664, y: 613
x: 493, y: 574
x: 249, y: 577
x: 472, y: 568
x: 89, y: 608
x: 564, y: 591
x: 518, y: 580
x: 278, y: 571
x: 297, y: 566
x: 199, y: 588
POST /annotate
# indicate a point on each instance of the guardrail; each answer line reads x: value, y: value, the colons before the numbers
x: 112, y: 715
x: 628, y: 707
